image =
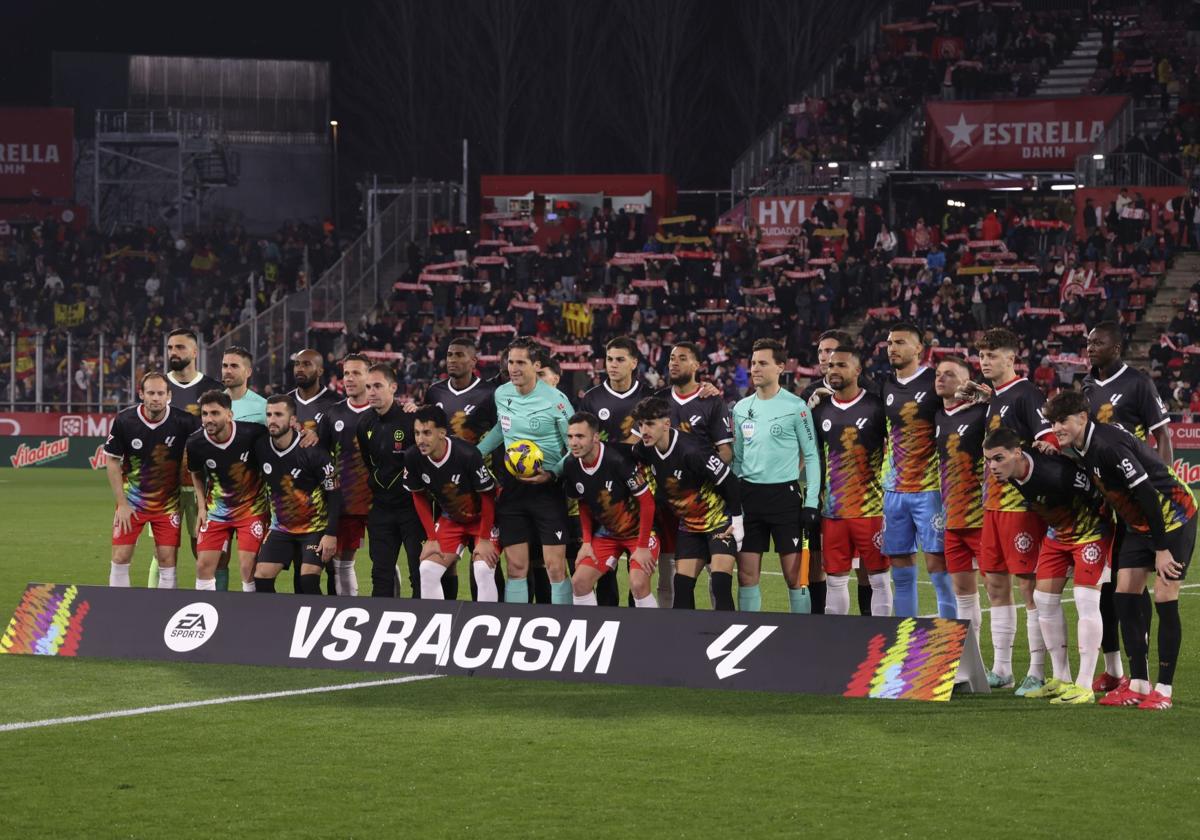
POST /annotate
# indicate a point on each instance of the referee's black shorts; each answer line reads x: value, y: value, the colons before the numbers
x: 1137, y: 550
x: 771, y: 512
x: 534, y: 513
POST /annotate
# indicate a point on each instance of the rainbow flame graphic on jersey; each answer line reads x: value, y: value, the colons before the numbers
x: 852, y: 489
x: 911, y: 453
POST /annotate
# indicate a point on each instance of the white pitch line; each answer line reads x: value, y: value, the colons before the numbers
x: 215, y: 701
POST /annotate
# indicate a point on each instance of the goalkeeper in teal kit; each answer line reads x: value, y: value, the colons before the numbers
x: 774, y: 436
x: 535, y: 507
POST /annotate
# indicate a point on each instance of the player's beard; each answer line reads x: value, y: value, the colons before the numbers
x: 176, y: 363
x: 681, y: 380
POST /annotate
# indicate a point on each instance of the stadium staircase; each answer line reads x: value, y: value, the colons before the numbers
x: 1172, y: 295
x: 1071, y: 78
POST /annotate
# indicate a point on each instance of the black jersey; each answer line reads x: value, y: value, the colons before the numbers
x: 231, y: 472
x: 1119, y: 462
x: 309, y: 412
x: 151, y: 456
x: 1059, y: 491
x: 186, y: 396
x: 455, y: 483
x: 960, y: 432
x: 301, y: 483
x: 609, y: 488
x: 708, y: 418
x: 865, y: 382
x: 615, y: 410
x: 853, y: 438
x: 1128, y: 399
x: 687, y: 478
x: 338, y: 433
x: 1016, y: 405
x: 383, y: 441
x: 471, y: 411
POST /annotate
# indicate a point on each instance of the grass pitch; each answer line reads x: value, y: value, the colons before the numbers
x: 456, y: 757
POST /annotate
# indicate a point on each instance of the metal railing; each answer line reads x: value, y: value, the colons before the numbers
x: 1123, y: 170
x: 156, y: 121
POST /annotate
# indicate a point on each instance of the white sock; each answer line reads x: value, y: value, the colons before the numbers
x: 881, y: 593
x: 210, y: 584
x: 968, y: 610
x: 431, y: 580
x: 248, y: 587
x: 1140, y: 686
x: 1163, y: 689
x: 588, y: 600
x: 1004, y: 631
x: 1037, y: 644
x: 1049, y: 613
x: 118, y: 575
x: 166, y: 577
x: 666, y: 581
x: 1090, y: 631
x: 1112, y: 664
x: 400, y: 582
x: 347, y: 578
x: 646, y: 603
x: 485, y: 582
x: 837, y: 596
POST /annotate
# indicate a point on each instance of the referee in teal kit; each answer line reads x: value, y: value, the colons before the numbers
x: 773, y: 434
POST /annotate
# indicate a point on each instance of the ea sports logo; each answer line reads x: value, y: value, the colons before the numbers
x: 1091, y: 554
x: 604, y: 414
x: 1022, y: 542
x: 826, y: 424
x: 191, y: 627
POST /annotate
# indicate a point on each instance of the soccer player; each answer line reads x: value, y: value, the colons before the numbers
x: 1159, y: 513
x: 1127, y: 397
x: 312, y: 398
x: 1012, y: 534
x: 616, y: 512
x: 852, y: 429
x: 773, y: 440
x: 144, y: 463
x: 613, y: 401
x: 912, y: 500
x: 305, y: 501
x: 1078, y: 540
x: 384, y: 433
x: 237, y: 366
x: 187, y: 384
x: 337, y: 432
x: 703, y: 493
x: 451, y: 472
x: 532, y: 508
x: 227, y: 476
x: 959, y: 428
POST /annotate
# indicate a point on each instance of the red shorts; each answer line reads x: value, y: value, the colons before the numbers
x: 453, y: 536
x: 844, y: 539
x: 1090, y: 561
x: 350, y: 532
x: 962, y: 549
x: 607, y: 551
x: 666, y: 526
x: 164, y: 527
x: 214, y: 536
x: 1010, y: 542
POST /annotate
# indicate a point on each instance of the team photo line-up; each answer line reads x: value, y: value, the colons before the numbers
x: 983, y: 476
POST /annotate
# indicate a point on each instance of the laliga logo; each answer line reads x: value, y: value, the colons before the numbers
x: 191, y: 627
x: 728, y: 658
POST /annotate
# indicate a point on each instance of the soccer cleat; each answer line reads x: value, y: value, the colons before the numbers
x: 1123, y: 696
x: 1074, y: 694
x: 1107, y: 682
x: 1155, y: 700
x: 1052, y: 688
x: 1030, y: 683
x: 995, y: 681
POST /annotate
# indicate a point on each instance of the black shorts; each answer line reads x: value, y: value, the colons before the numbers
x: 689, y: 546
x: 533, y: 513
x: 283, y: 548
x: 1137, y: 550
x: 771, y: 512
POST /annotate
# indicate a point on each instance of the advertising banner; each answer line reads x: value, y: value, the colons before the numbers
x: 23, y: 451
x: 82, y: 424
x: 782, y: 216
x: 1016, y: 134
x: 37, y: 153
x: 886, y: 658
x: 1185, y: 438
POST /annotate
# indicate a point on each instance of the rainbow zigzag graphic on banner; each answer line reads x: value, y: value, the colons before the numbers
x: 48, y: 622
x: 919, y: 665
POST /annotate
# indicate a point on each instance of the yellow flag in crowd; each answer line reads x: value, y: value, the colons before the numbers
x: 69, y: 314
x: 578, y: 318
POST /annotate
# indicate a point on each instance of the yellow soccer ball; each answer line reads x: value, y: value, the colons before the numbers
x: 523, y: 458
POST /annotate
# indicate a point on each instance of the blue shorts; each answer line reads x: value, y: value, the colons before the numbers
x: 912, y: 518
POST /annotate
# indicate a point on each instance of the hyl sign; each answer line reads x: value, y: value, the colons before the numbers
x: 782, y: 216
